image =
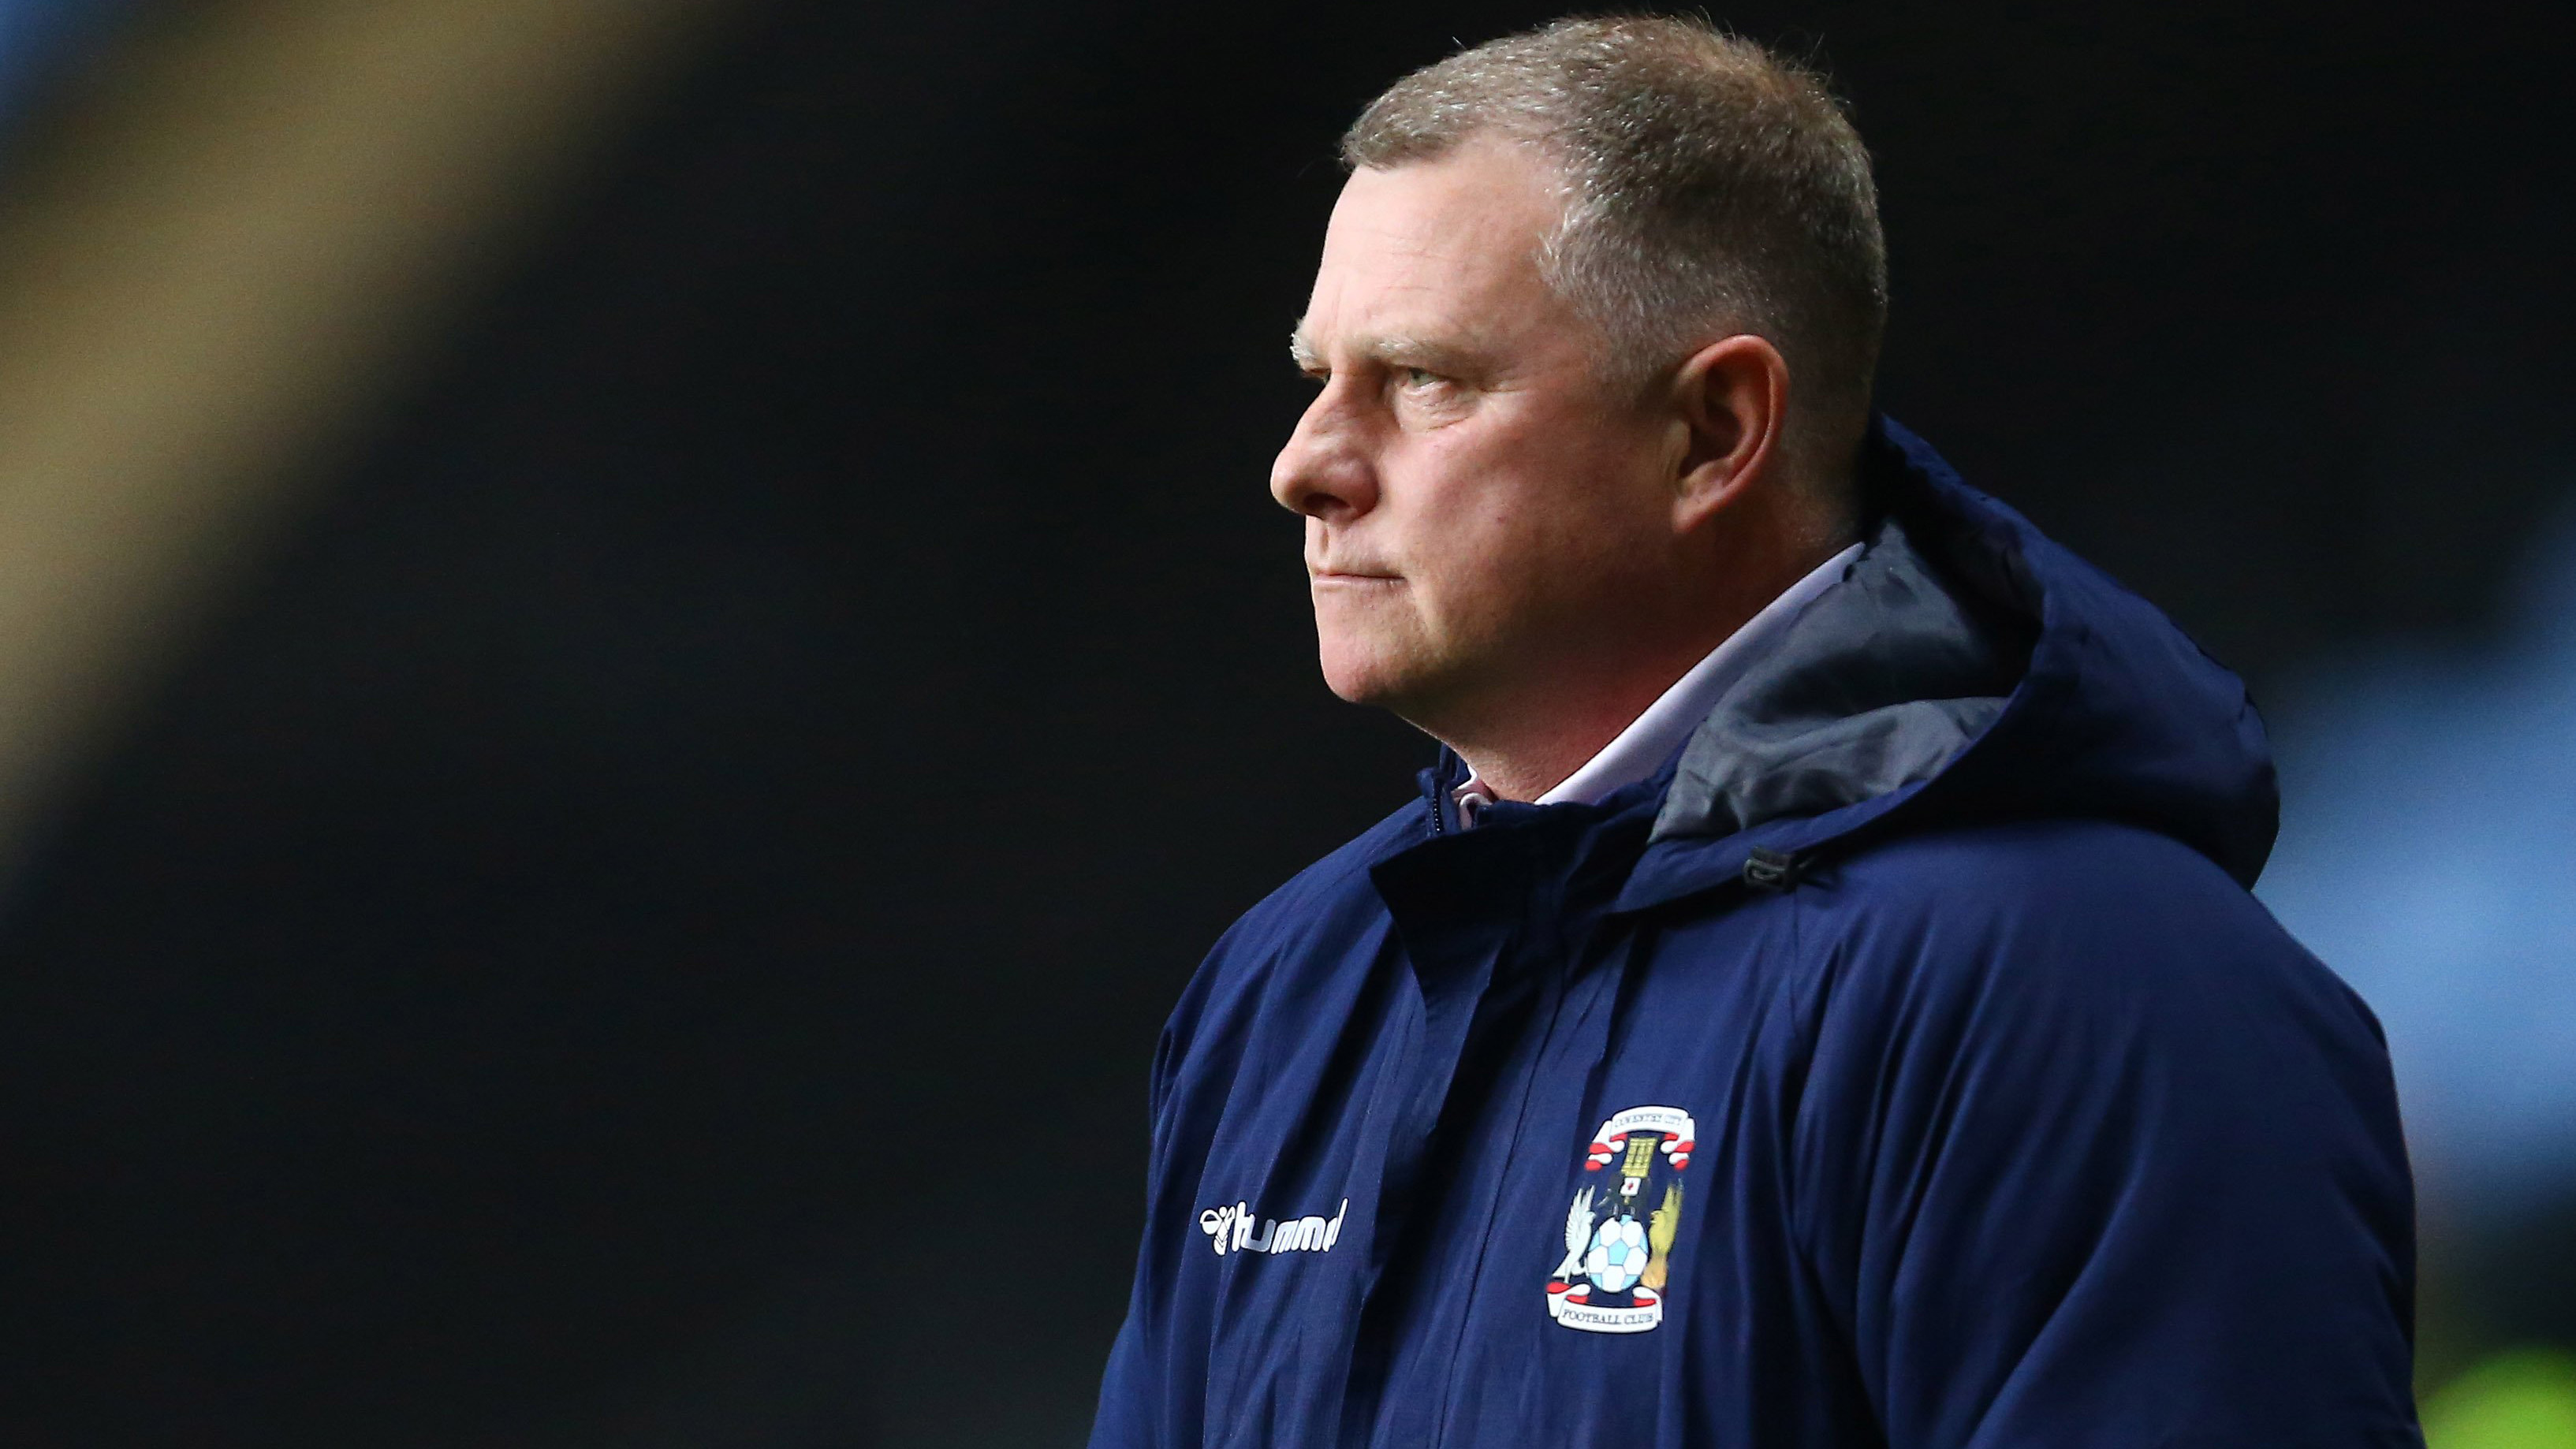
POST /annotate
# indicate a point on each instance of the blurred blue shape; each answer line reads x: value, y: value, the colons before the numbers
x: 2428, y: 854
x: 37, y: 37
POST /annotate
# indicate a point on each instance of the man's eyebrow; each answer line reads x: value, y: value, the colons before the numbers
x: 1303, y: 351
x: 1393, y: 349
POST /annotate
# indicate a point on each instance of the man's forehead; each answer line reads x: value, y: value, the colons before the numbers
x: 1432, y: 256
x: 1479, y: 213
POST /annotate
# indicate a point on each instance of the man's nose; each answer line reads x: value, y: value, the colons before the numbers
x: 1324, y: 472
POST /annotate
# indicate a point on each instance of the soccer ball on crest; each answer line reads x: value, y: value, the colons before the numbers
x: 1618, y: 1255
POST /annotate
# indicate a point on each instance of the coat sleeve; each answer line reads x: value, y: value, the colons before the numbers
x: 1125, y: 1416
x: 2092, y: 1154
x: 1130, y: 1402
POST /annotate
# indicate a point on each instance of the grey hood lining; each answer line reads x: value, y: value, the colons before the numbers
x: 1878, y: 684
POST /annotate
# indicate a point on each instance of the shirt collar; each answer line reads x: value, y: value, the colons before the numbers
x: 1641, y: 748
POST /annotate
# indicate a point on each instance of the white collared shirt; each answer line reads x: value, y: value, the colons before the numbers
x: 1651, y: 737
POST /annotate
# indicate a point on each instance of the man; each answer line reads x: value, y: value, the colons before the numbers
x: 1816, y: 1000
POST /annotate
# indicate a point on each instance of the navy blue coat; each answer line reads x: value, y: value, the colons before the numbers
x: 1905, y: 1064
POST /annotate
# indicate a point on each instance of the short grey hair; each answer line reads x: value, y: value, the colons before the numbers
x: 1711, y: 187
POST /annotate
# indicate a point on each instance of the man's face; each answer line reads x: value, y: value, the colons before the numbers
x: 1481, y: 513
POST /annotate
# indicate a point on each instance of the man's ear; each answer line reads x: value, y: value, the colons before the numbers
x: 1732, y: 398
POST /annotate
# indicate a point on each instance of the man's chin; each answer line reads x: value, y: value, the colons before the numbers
x: 1360, y: 687
x: 1370, y: 681
x: 1406, y: 687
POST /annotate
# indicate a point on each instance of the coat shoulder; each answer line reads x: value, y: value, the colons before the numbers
x: 1334, y: 880
x: 2069, y: 909
x: 1316, y: 924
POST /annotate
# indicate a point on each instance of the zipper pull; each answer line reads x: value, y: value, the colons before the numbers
x: 1770, y: 870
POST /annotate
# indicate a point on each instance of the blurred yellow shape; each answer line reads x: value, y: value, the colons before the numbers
x: 2524, y: 1398
x: 253, y: 218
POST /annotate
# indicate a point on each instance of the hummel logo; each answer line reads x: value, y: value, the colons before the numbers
x: 1231, y: 1227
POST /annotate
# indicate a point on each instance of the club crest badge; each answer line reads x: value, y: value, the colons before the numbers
x: 1619, y: 1234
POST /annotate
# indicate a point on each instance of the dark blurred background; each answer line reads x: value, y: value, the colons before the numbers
x: 645, y: 641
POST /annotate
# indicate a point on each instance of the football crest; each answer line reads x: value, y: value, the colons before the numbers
x: 1619, y: 1234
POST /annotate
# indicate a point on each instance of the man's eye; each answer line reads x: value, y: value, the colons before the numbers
x: 1417, y: 377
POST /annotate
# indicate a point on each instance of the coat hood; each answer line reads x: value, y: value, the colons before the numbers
x: 1965, y: 669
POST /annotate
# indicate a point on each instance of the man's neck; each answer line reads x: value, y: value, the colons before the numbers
x: 1527, y: 757
x: 1526, y: 763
